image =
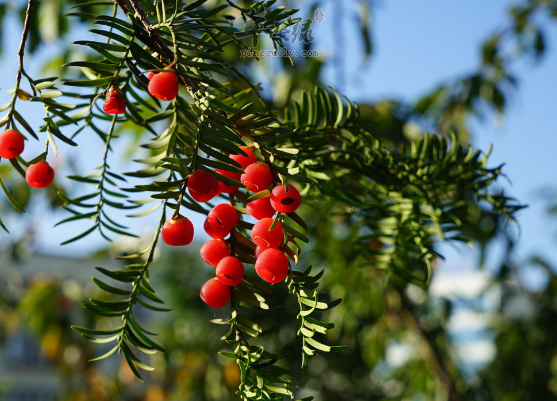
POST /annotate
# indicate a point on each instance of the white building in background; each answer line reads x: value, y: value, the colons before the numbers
x: 25, y: 374
x: 474, y: 304
x: 475, y: 301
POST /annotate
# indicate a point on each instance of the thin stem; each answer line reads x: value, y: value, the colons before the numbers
x: 31, y: 82
x: 122, y: 5
x: 158, y: 40
x: 122, y: 62
x: 434, y: 358
x: 21, y: 52
x: 156, y: 239
x: 26, y: 27
x: 21, y: 73
x: 103, y: 174
x: 175, y: 43
x: 180, y: 198
x: 163, y: 10
x: 137, y: 282
x: 231, y: 4
x: 176, y: 6
x: 191, y: 167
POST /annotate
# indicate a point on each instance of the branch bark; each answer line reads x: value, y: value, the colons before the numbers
x: 142, y: 17
x: 20, y: 68
x: 26, y: 26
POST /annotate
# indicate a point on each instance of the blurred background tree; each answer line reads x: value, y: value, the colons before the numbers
x: 399, y: 337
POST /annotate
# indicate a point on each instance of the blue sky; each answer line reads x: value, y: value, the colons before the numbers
x: 417, y: 46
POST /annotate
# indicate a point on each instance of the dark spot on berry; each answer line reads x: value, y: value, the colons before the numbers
x: 287, y: 201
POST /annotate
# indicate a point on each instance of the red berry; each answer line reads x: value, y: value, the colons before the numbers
x: 39, y: 175
x: 213, y: 251
x: 257, y: 177
x: 260, y: 208
x: 225, y: 188
x: 261, y: 235
x: 177, y: 231
x: 224, y: 215
x: 221, y: 221
x: 285, y: 202
x: 150, y: 75
x: 11, y: 144
x: 114, y: 103
x: 203, y: 186
x: 214, y: 232
x: 215, y: 294
x: 259, y: 249
x: 230, y: 271
x: 242, y: 160
x: 272, y: 265
x: 164, y: 85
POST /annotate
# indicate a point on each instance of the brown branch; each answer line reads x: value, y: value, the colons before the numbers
x: 20, y: 69
x: 26, y: 27
x: 147, y: 25
x: 155, y: 37
x: 122, y: 5
x: 433, y: 356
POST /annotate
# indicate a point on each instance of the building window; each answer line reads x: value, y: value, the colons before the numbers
x: 22, y: 349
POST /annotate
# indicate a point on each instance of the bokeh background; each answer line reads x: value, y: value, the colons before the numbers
x: 486, y: 324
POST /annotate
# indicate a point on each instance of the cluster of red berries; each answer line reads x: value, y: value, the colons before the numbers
x: 271, y: 263
x: 38, y: 175
x: 163, y: 85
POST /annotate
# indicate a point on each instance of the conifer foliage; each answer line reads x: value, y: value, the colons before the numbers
x: 212, y: 141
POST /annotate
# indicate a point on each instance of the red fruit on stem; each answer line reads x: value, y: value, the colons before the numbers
x: 261, y: 235
x: 285, y: 202
x: 39, y: 175
x: 259, y: 249
x: 177, y: 231
x: 214, y: 251
x: 203, y: 186
x: 225, y: 188
x: 257, y: 177
x: 164, y: 85
x: 223, y: 215
x: 242, y: 160
x: 114, y: 102
x: 230, y: 271
x: 272, y: 265
x: 150, y: 75
x: 260, y: 208
x: 215, y: 294
x: 221, y: 221
x: 11, y: 144
x: 215, y: 232
x: 114, y: 105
